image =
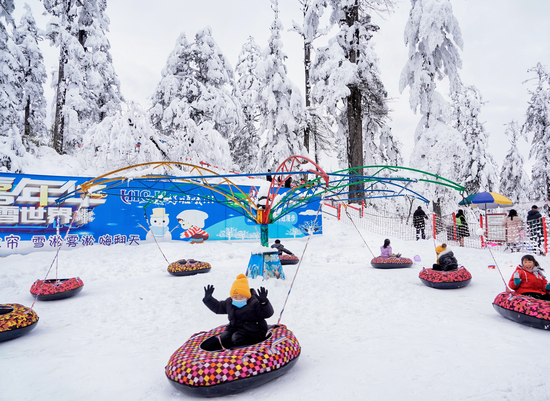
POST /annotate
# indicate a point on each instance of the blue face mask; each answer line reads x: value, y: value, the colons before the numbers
x: 238, y: 304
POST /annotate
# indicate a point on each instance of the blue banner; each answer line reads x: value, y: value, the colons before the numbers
x: 31, y: 220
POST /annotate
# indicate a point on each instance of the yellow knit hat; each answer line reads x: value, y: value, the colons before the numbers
x: 440, y: 248
x: 240, y: 287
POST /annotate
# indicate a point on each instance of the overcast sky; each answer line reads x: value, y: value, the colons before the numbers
x: 502, y: 40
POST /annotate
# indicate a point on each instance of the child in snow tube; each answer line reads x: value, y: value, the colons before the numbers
x: 386, y: 251
x: 446, y: 260
x: 246, y: 311
x: 280, y: 248
x: 528, y: 279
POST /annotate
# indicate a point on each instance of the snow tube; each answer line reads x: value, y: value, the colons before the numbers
x: 391, y: 263
x: 200, y: 367
x: 188, y: 267
x: 16, y: 320
x: 56, y: 288
x: 445, y: 280
x: 523, y: 309
x: 288, y: 259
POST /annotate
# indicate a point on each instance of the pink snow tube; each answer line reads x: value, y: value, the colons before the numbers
x: 391, y: 263
x: 200, y: 367
x: 523, y: 309
x: 288, y: 259
x: 445, y: 280
x: 48, y: 290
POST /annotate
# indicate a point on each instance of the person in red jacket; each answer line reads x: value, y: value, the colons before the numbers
x: 529, y: 280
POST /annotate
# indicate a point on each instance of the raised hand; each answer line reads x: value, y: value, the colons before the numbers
x: 262, y: 295
x: 517, y: 280
x: 208, y: 291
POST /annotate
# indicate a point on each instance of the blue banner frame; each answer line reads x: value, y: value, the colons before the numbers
x: 31, y: 220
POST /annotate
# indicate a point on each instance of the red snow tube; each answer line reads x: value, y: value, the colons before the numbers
x: 16, y: 320
x: 188, y: 267
x: 50, y: 290
x: 523, y: 309
x: 391, y: 263
x: 200, y: 367
x: 445, y: 280
x: 288, y: 259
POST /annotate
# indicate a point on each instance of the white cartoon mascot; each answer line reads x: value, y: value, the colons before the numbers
x: 192, y: 223
x: 159, y: 225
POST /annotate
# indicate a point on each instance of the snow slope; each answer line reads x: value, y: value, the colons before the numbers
x: 365, y: 333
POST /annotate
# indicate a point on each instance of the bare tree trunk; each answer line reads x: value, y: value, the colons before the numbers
x: 59, y: 122
x: 355, y: 123
x: 307, y: 67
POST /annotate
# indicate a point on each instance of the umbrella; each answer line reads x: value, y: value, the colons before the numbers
x: 489, y: 200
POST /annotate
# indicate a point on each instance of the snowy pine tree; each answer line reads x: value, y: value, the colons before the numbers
x: 312, y: 11
x: 537, y: 123
x: 197, y: 82
x: 375, y: 113
x: 514, y: 182
x: 432, y: 35
x: 479, y: 172
x: 123, y: 139
x: 347, y: 84
x: 86, y: 85
x: 280, y: 104
x: 102, y: 83
x: 244, y: 143
x: 199, y: 143
x: 11, y: 93
x: 32, y: 126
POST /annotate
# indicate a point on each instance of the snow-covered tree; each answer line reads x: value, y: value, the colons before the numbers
x: 312, y: 10
x: 280, y: 103
x: 244, y: 143
x: 193, y: 143
x: 514, y: 182
x: 11, y: 93
x: 388, y: 150
x: 347, y: 83
x: 103, y: 85
x: 439, y: 152
x: 432, y: 35
x: 86, y: 85
x: 479, y: 172
x: 32, y: 126
x: 537, y: 123
x: 122, y: 140
x: 197, y: 82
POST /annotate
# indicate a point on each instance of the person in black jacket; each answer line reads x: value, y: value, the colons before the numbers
x: 419, y: 222
x: 246, y: 311
x: 280, y: 247
x: 446, y: 260
x: 534, y: 222
x: 462, y: 229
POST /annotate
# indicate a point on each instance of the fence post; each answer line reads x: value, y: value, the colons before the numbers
x: 481, y: 226
x: 545, y: 231
x: 339, y: 207
x: 362, y: 207
x: 434, y: 230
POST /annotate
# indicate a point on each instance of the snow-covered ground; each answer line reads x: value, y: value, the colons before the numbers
x: 365, y: 333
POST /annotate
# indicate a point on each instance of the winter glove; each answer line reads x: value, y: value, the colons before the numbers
x: 548, y: 287
x: 208, y: 291
x: 262, y: 295
x: 517, y: 280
